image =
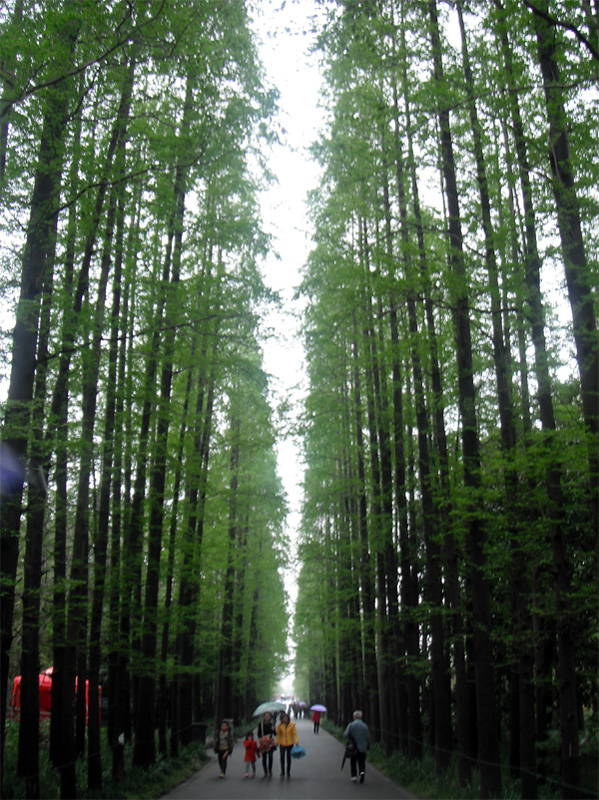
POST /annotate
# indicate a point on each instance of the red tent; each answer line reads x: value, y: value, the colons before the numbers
x: 45, y: 683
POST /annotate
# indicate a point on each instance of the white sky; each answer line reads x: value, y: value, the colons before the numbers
x: 284, y: 29
x: 296, y: 76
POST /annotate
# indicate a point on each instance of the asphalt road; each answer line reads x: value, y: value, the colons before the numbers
x: 317, y: 776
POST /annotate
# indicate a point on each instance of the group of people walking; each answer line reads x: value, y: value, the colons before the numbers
x: 269, y: 736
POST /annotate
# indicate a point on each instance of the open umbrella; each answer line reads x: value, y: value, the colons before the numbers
x: 318, y: 707
x: 270, y: 706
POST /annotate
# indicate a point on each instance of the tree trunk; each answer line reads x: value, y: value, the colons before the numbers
x: 224, y: 680
x: 366, y: 586
x: 42, y: 222
x: 488, y: 741
x: 578, y: 273
x: 8, y: 69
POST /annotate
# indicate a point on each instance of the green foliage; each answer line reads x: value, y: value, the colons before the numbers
x: 382, y: 325
x: 151, y: 783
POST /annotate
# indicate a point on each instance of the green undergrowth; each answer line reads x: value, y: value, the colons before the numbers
x: 150, y: 783
x: 419, y: 778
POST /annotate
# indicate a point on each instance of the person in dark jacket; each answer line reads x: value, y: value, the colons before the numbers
x: 359, y: 732
x: 223, y: 746
x: 266, y: 729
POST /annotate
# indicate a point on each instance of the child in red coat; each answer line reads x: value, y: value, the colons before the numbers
x: 251, y: 748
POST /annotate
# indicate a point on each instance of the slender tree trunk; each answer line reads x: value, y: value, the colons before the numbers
x: 8, y: 65
x: 377, y: 532
x: 578, y: 274
x: 28, y: 756
x: 162, y: 705
x: 42, y: 222
x: 224, y: 680
x: 567, y: 680
x: 488, y: 737
x: 189, y: 584
x: 366, y: 584
x: 101, y: 542
x: 56, y: 431
x: 399, y: 723
x: 525, y: 713
x: 145, y: 745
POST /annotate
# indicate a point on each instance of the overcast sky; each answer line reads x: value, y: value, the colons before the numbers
x: 284, y: 52
x: 284, y: 29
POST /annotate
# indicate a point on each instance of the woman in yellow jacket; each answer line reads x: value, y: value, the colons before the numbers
x: 286, y: 738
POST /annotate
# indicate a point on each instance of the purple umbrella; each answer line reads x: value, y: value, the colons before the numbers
x: 318, y: 707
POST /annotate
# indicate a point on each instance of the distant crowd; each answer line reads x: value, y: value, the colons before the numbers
x: 271, y: 735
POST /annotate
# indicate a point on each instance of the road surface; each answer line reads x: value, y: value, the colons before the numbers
x: 317, y: 776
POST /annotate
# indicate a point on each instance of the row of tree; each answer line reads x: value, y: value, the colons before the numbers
x: 141, y: 507
x: 449, y: 535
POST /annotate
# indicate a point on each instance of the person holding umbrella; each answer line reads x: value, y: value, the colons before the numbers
x: 286, y: 738
x: 358, y: 731
x: 316, y: 720
x: 266, y: 742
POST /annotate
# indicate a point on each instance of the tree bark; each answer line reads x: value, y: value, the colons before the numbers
x: 488, y: 742
x: 578, y: 274
x: 42, y: 221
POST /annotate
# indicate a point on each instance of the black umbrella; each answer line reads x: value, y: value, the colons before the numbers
x: 350, y: 744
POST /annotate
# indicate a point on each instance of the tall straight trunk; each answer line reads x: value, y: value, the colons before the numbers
x: 522, y: 751
x: 395, y: 484
x: 568, y: 705
x: 351, y: 647
x: 585, y: 338
x: 536, y: 315
x: 399, y: 722
x: 28, y: 754
x: 440, y: 672
x: 57, y: 430
x: 525, y: 713
x: 488, y: 733
x: 42, y: 213
x: 144, y: 752
x: 182, y: 693
x: 189, y: 587
x: 377, y: 533
x: 76, y: 650
x: 132, y: 560
x: 578, y: 272
x: 366, y: 585
x: 118, y: 697
x: 465, y: 728
x: 8, y: 66
x: 587, y: 351
x: 101, y: 541
x: 146, y: 630
x: 441, y: 689
x: 224, y: 680
x: 162, y: 704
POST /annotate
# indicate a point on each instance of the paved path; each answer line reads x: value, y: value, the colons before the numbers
x: 316, y: 777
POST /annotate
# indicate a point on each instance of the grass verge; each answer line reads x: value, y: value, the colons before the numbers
x: 150, y: 783
x: 420, y: 779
